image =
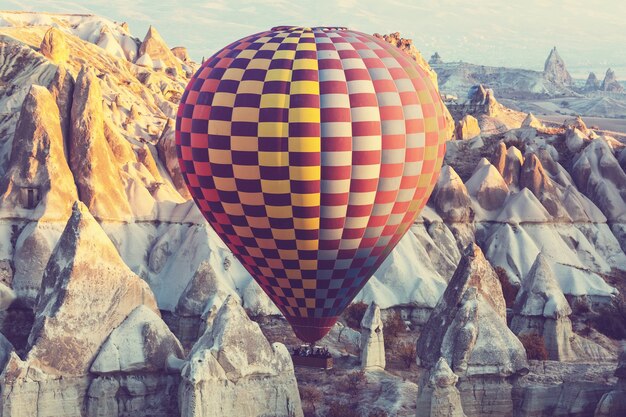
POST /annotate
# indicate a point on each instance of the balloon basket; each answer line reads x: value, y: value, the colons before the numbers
x: 312, y: 357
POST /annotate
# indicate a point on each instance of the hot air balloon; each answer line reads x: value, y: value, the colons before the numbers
x: 310, y: 151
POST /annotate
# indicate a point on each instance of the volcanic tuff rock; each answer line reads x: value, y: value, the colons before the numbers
x: 576, y: 122
x: 234, y: 365
x: 592, y: 83
x: 467, y: 128
x: 435, y: 59
x: 84, y: 271
x: 205, y: 292
x: 479, y: 95
x: 145, y: 61
x: 509, y: 163
x: 614, y: 402
x: 532, y: 121
x: 100, y: 186
x: 468, y: 329
x: 599, y: 176
x: 33, y: 248
x: 574, y: 139
x: 554, y: 69
x: 38, y: 182
x: 487, y: 186
x: 541, y: 308
x: 54, y: 46
x: 372, y: 339
x: 141, y: 342
x: 91, y: 304
x: 473, y: 271
x: 439, y: 397
x: 450, y: 197
x: 154, y: 47
x: 62, y: 89
x: 534, y: 177
x: 181, y: 53
x: 610, y: 82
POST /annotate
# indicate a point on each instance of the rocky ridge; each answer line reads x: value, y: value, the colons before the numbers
x: 537, y: 187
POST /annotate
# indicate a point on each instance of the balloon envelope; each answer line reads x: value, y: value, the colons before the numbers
x: 310, y: 151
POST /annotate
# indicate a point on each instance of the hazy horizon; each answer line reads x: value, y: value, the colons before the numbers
x: 495, y: 33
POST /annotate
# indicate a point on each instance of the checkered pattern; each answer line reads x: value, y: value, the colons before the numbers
x: 310, y: 151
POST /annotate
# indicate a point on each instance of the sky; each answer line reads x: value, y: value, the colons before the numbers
x: 589, y: 35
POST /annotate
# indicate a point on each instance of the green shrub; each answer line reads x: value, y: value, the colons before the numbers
x: 393, y: 326
x: 310, y: 396
x: 354, y: 314
x: 353, y: 382
x: 407, y: 352
x: 339, y: 409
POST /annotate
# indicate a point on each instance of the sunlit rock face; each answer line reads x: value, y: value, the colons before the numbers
x: 554, y: 69
x: 235, y: 366
x: 97, y: 332
x: 541, y: 309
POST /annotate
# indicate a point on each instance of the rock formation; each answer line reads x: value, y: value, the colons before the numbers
x: 156, y: 49
x: 535, y: 178
x: 372, y: 339
x: 487, y: 186
x: 439, y: 397
x: 7, y: 296
x: 468, y: 329
x: 100, y: 186
x: 435, y: 59
x: 613, y: 403
x: 467, y: 128
x: 33, y: 248
x: 554, y: 69
x: 234, y: 365
x: 54, y: 46
x: 204, y: 292
x: 473, y: 271
x: 541, y: 308
x: 481, y: 96
x: 610, y: 83
x: 109, y: 43
x: 574, y: 139
x: 38, y: 182
x: 509, y: 163
x: 576, y: 123
x: 145, y: 61
x: 450, y: 197
x: 592, y: 83
x: 62, y: 89
x: 92, y: 305
x: 181, y: 53
x: 598, y: 174
x: 532, y: 121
